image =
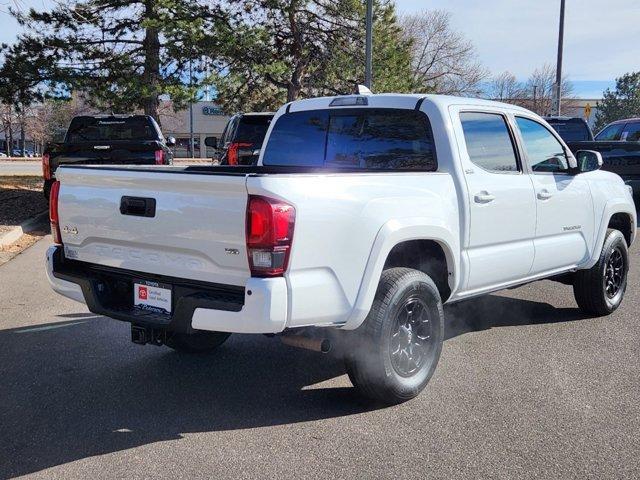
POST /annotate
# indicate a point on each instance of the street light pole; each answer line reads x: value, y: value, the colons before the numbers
x: 368, y: 53
x: 559, y: 65
x: 191, y: 140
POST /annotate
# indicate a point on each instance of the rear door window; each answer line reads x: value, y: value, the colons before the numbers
x: 489, y: 143
x: 368, y: 139
x: 631, y: 132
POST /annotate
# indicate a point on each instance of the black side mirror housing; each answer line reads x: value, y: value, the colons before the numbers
x: 211, y: 142
x: 588, y: 160
x: 171, y: 141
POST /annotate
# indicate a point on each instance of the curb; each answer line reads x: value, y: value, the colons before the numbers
x: 25, y: 227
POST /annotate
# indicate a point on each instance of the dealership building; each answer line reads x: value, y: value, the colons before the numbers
x: 208, y: 121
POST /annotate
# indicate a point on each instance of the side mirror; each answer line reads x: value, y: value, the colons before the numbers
x: 211, y: 142
x: 171, y: 141
x: 588, y: 160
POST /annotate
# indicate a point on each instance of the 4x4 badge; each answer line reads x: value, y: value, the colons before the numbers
x: 71, y: 230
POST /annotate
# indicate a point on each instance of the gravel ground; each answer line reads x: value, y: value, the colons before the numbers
x: 20, y: 199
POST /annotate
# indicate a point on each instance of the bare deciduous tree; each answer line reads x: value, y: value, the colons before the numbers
x: 8, y: 120
x: 505, y: 87
x: 444, y: 61
x: 542, y: 81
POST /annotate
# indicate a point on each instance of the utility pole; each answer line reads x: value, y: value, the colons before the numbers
x: 368, y: 53
x: 535, y: 98
x: 191, y: 140
x: 558, y: 84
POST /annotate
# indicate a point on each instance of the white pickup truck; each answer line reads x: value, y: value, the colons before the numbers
x: 363, y: 216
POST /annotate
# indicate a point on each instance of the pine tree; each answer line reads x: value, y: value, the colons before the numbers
x: 123, y: 54
x: 622, y: 102
x: 284, y: 50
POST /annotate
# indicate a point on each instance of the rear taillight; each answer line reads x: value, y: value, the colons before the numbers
x: 159, y: 157
x: 46, y: 170
x: 269, y: 235
x: 53, y: 213
x: 232, y: 153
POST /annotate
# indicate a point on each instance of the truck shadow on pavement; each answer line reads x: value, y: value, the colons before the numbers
x: 78, y: 388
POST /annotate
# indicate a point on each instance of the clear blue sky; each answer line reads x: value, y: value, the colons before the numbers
x: 601, y: 36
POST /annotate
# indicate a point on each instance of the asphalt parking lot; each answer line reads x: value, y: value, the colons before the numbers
x: 526, y: 388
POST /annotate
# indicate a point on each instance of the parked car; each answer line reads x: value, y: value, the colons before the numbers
x: 363, y: 216
x: 18, y: 152
x: 571, y: 129
x: 241, y: 139
x: 626, y: 130
x: 108, y: 140
x: 619, y: 144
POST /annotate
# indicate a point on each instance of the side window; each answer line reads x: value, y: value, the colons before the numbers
x: 225, y: 134
x: 489, y: 142
x: 544, y: 152
x: 632, y: 132
x: 610, y: 133
x: 233, y: 126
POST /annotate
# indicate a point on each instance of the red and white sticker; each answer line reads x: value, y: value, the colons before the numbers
x: 151, y: 296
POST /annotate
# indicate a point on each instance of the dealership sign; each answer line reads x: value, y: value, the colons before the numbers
x: 208, y: 110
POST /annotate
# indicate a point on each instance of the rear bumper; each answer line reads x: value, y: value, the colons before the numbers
x: 258, y: 307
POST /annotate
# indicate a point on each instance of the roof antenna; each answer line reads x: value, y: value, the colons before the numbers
x: 362, y: 90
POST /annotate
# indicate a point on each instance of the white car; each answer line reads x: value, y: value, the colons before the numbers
x: 364, y: 215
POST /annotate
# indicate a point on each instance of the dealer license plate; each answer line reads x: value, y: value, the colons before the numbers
x: 152, y: 296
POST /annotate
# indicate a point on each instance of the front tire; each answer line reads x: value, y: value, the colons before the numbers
x: 396, y: 350
x: 599, y: 291
x: 199, y: 342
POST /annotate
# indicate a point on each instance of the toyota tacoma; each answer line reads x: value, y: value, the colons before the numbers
x: 362, y: 217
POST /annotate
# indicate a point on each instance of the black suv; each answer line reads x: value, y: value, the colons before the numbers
x: 241, y: 139
x: 108, y: 140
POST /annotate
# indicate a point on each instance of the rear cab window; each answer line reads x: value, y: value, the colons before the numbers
x: 489, y: 142
x: 252, y: 129
x: 353, y: 139
x: 571, y: 130
x: 92, y: 129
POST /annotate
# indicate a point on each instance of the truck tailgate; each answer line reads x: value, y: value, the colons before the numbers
x: 196, y: 230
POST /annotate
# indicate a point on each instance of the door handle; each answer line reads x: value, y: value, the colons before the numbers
x: 484, y: 197
x: 544, y: 195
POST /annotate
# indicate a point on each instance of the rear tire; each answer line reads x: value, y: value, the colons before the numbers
x: 396, y: 350
x: 599, y: 291
x: 199, y: 342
